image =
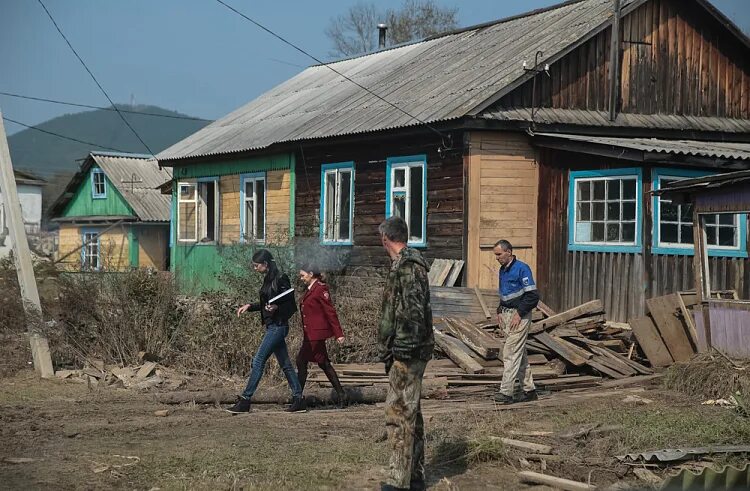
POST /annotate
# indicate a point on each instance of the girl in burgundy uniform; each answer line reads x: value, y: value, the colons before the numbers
x: 319, y: 322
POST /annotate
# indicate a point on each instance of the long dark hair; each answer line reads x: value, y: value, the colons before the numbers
x: 271, y: 280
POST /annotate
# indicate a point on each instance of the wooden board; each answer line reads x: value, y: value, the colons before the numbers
x: 594, y: 306
x: 664, y: 312
x: 480, y: 342
x: 458, y: 266
x: 480, y: 298
x: 650, y: 341
x: 562, y: 348
x: 457, y: 352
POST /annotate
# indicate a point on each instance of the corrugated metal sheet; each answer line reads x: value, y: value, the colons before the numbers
x: 713, y: 149
x: 705, y: 183
x: 707, y: 479
x: 437, y: 79
x: 624, y: 120
x: 144, y: 196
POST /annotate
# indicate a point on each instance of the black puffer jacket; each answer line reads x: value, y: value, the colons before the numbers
x: 287, y: 304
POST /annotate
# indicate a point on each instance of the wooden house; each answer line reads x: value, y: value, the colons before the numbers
x: 112, y: 216
x: 547, y: 129
x: 30, y: 196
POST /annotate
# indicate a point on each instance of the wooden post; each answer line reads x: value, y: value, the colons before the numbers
x: 22, y: 256
x: 701, y: 272
x: 614, y: 62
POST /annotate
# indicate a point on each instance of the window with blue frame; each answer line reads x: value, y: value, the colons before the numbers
x: 253, y: 211
x: 336, y: 203
x: 673, y: 223
x: 605, y: 210
x: 90, y: 253
x: 406, y: 194
x: 98, y: 184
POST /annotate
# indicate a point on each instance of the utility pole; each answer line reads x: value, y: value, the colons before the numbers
x: 22, y: 256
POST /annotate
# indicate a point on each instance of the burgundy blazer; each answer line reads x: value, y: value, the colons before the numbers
x: 319, y: 319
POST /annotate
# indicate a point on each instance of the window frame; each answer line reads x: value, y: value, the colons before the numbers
x: 193, y: 183
x: 574, y: 176
x: 393, y: 163
x: 254, y: 177
x: 84, y: 233
x: 217, y: 215
x: 336, y: 168
x: 689, y: 249
x: 96, y: 171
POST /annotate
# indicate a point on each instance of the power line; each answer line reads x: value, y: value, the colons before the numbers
x: 64, y: 103
x: 94, y: 78
x: 61, y: 136
x: 277, y: 36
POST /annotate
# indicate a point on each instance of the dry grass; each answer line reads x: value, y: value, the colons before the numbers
x: 709, y: 375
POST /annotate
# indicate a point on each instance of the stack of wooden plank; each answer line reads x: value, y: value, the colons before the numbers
x: 445, y: 272
x: 668, y: 334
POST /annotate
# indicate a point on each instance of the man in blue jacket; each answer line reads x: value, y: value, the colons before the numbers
x: 518, y: 297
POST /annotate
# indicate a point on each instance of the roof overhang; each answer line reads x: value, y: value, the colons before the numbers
x: 99, y: 220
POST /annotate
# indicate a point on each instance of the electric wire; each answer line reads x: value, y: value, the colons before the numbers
x: 61, y: 136
x: 88, y: 106
x: 282, y: 39
x: 94, y: 78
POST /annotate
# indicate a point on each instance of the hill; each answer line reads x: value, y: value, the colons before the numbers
x: 48, y: 155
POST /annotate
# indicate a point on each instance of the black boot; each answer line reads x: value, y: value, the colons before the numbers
x: 298, y: 404
x: 242, y: 406
x: 341, y: 399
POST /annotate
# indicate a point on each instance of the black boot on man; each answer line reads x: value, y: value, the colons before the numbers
x: 501, y: 398
x: 528, y: 396
x: 242, y: 406
x: 298, y: 404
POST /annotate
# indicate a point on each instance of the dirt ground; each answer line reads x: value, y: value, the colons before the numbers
x: 66, y: 435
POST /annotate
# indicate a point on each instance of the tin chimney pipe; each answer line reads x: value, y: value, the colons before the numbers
x: 381, y: 35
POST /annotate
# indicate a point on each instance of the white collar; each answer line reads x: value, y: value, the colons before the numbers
x: 309, y: 287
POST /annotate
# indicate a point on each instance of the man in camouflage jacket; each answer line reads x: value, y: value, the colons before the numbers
x: 405, y: 344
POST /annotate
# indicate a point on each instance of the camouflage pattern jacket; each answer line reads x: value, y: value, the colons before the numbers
x: 406, y: 316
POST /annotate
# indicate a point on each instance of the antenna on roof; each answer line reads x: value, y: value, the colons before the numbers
x: 133, y: 181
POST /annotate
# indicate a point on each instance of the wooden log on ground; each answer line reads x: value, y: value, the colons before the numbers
x: 555, y: 482
x: 457, y: 352
x: 592, y: 307
x: 479, y: 341
x: 536, y: 448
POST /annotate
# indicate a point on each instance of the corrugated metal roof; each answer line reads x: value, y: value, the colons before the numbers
x: 144, y: 196
x: 437, y: 79
x: 713, y: 149
x: 624, y: 120
x: 704, y: 183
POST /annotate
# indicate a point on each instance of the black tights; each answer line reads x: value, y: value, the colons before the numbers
x: 327, y: 369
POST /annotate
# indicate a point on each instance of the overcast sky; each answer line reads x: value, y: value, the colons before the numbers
x: 193, y: 56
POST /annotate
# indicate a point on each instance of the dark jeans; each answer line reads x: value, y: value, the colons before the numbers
x: 273, y: 342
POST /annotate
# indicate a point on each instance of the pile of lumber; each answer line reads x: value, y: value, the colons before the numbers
x: 668, y: 333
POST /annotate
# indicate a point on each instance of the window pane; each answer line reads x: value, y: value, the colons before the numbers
x: 249, y: 219
x: 346, y: 205
x: 584, y: 212
x: 399, y: 178
x: 686, y: 213
x: 597, y: 232
x: 668, y: 233
x: 584, y: 191
x: 686, y: 234
x: 583, y: 232
x: 711, y: 235
x: 628, y: 189
x: 613, y: 232
x: 598, y: 189
x: 726, y: 219
x: 628, y: 232
x: 726, y: 236
x: 187, y: 192
x: 669, y: 212
x: 598, y: 211
x: 330, y: 206
x: 628, y: 210
x: 207, y: 191
x: 416, y: 204
x: 399, y: 205
x: 187, y: 217
x: 613, y: 189
x: 710, y: 219
x: 260, y: 207
x: 613, y: 211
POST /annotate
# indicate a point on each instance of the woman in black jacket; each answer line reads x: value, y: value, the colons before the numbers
x: 275, y: 317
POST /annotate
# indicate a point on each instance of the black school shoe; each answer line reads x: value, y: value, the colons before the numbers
x: 298, y: 404
x: 242, y: 406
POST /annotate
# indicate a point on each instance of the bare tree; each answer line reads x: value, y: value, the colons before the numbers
x: 355, y: 31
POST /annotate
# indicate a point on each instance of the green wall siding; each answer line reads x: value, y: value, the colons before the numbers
x: 83, y: 205
x: 133, y: 245
x: 197, y: 266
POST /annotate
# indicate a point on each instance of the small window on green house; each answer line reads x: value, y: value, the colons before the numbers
x: 90, y: 260
x: 98, y: 184
x: 187, y: 207
x: 253, y: 211
x: 208, y: 210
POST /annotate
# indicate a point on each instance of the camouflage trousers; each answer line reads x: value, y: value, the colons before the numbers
x: 515, y: 360
x: 404, y: 423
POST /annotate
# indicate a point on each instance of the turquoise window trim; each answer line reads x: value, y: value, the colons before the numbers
x: 396, y: 162
x: 637, y: 246
x: 323, y: 170
x: 89, y: 230
x: 689, y: 249
x: 94, y: 172
x: 243, y: 178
